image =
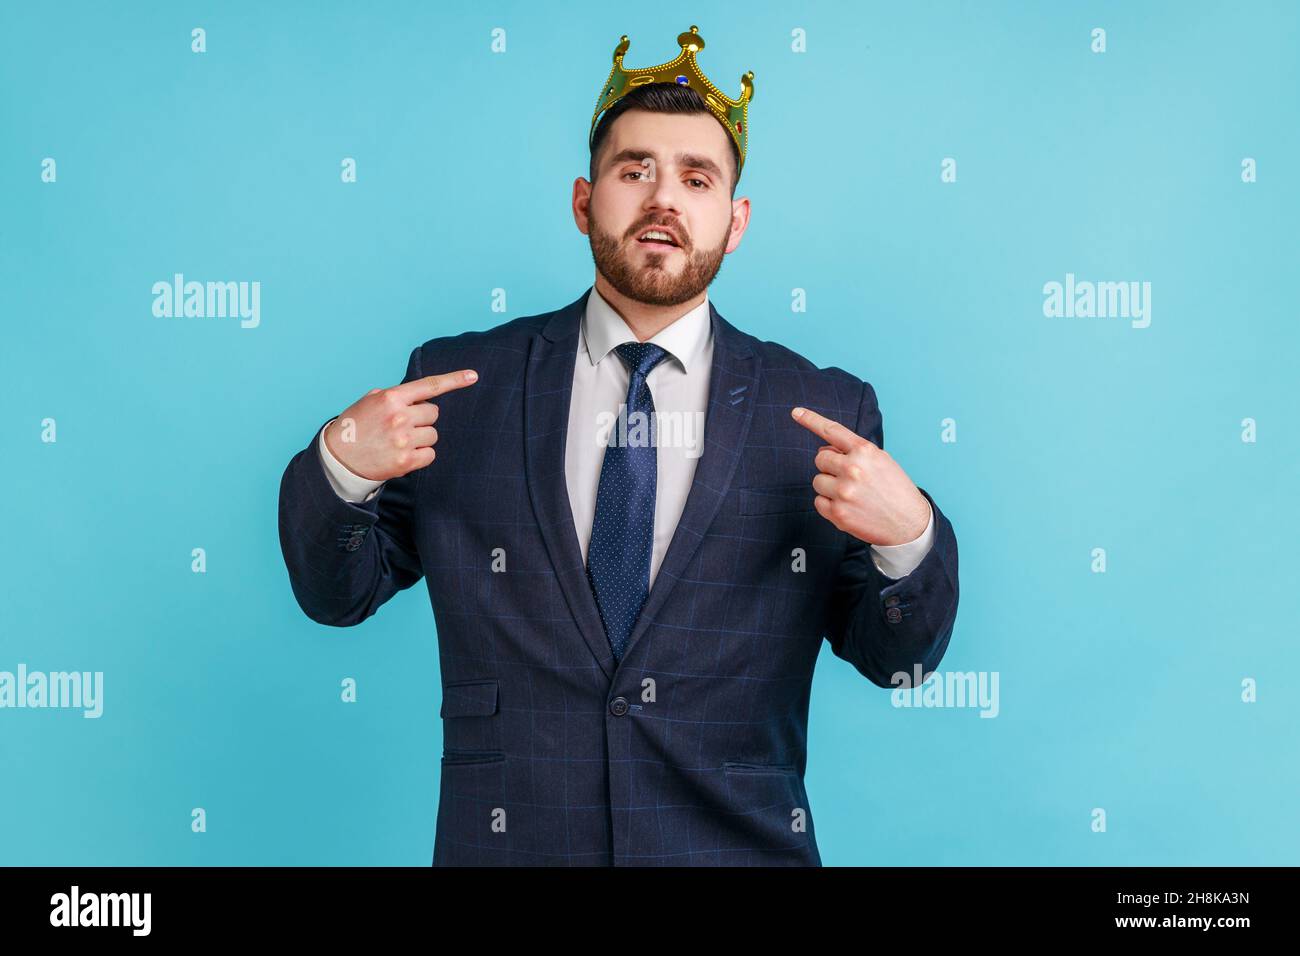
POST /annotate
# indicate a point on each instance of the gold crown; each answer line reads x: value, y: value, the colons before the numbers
x: 683, y: 70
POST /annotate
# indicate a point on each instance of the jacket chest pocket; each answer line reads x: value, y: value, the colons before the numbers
x: 777, y: 499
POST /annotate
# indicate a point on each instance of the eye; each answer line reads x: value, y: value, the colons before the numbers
x: 703, y: 184
x: 638, y: 173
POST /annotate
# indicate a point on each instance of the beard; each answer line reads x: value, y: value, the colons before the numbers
x: 652, y: 283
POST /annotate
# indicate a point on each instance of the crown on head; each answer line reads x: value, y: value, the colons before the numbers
x: 683, y: 70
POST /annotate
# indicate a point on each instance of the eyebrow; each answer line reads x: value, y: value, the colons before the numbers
x: 690, y: 160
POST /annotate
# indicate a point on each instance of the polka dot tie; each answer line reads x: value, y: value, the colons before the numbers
x: 622, y: 534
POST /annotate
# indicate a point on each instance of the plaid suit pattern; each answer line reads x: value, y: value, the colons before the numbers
x: 691, y: 749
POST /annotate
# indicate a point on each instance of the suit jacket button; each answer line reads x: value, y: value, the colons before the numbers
x: 354, y: 542
x: 891, y: 601
x: 618, y: 706
x: 893, y: 615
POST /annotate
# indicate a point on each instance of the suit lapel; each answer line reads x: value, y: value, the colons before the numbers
x: 733, y: 382
x: 548, y: 386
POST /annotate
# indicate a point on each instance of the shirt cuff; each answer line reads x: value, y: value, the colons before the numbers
x: 348, y: 486
x: 900, y: 560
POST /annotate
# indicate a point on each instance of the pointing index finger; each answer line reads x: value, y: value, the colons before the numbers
x: 832, y: 432
x: 431, y: 386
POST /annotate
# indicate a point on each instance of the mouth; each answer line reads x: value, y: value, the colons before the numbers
x: 658, y: 238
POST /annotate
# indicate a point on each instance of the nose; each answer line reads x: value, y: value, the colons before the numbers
x: 663, y: 203
x: 664, y: 195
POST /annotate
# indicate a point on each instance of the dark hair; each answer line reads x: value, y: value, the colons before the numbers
x: 658, y: 98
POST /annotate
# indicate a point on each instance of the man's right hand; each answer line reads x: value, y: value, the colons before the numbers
x: 389, y: 431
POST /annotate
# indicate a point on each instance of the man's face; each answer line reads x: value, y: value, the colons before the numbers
x: 664, y: 173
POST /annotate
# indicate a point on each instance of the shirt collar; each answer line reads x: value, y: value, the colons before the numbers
x: 684, y: 339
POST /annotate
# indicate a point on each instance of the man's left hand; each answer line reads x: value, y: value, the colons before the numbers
x: 860, y: 488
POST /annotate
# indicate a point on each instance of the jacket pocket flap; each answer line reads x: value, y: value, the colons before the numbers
x: 773, y: 499
x: 469, y: 698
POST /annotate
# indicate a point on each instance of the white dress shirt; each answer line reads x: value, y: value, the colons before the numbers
x: 679, y: 386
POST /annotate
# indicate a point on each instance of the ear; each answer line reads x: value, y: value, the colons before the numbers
x: 739, y: 222
x: 581, y: 202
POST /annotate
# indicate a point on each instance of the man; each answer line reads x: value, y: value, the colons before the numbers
x: 627, y: 627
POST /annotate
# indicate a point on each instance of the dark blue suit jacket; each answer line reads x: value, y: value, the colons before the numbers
x: 691, y: 750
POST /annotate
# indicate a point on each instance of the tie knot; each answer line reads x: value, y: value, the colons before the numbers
x: 640, y: 357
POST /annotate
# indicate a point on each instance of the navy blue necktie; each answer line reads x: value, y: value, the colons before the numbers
x: 622, y: 534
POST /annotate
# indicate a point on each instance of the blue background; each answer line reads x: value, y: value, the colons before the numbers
x: 1118, y: 690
